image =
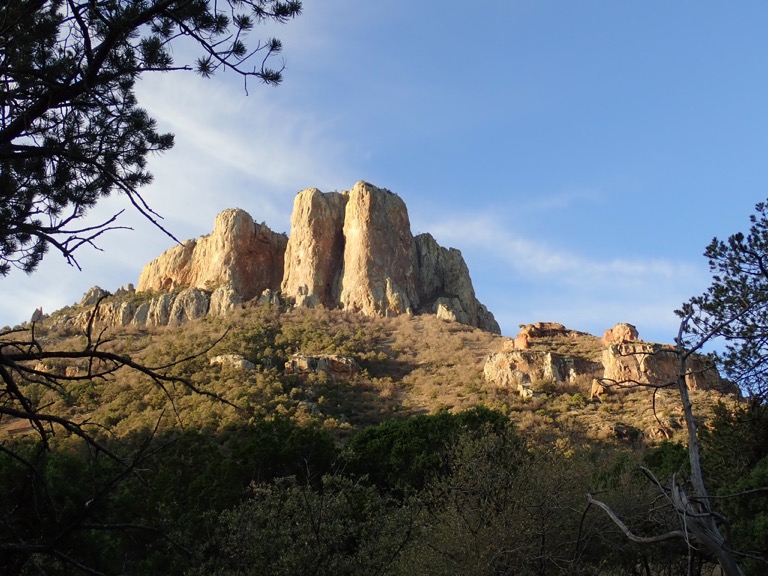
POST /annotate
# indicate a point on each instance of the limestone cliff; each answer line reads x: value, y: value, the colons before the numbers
x: 352, y: 250
x: 355, y: 250
x: 315, y: 252
x: 380, y: 265
x: 241, y: 253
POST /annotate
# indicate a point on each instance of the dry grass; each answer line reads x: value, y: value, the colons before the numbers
x: 409, y: 365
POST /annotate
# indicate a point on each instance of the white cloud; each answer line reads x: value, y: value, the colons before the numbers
x: 524, y: 280
x: 535, y: 257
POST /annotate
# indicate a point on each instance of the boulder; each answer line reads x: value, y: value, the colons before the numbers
x: 620, y: 333
x: 233, y: 361
x: 189, y: 304
x: 223, y: 299
x: 522, y: 342
x: 332, y: 364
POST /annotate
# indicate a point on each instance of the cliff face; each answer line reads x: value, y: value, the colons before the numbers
x: 315, y: 252
x: 618, y: 360
x: 655, y: 364
x: 380, y: 266
x: 352, y: 250
x: 241, y: 253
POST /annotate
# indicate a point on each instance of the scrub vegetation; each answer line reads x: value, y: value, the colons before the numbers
x: 412, y: 464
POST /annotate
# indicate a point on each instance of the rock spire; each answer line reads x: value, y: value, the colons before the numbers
x: 352, y: 250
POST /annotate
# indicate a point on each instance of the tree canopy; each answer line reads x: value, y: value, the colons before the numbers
x: 71, y: 128
x: 734, y: 308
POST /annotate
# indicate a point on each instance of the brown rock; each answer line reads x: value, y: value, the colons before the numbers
x: 332, y: 364
x: 620, y: 333
x: 543, y: 329
x: 640, y: 363
x: 240, y: 252
x: 596, y: 390
x: 233, y: 361
x: 445, y: 287
x: 315, y: 251
x: 380, y: 262
x: 522, y: 342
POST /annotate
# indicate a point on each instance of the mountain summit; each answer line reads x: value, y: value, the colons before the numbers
x: 350, y: 250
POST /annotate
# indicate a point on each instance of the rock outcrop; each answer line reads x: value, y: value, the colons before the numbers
x: 626, y: 364
x: 380, y: 263
x: 518, y: 369
x: 241, y: 253
x: 235, y: 361
x: 334, y: 365
x: 351, y: 250
x: 315, y: 253
x: 354, y: 250
x: 543, y: 330
x: 445, y: 288
x: 634, y: 363
x: 620, y: 333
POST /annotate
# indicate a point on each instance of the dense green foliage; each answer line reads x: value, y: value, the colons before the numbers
x: 448, y: 493
x: 736, y: 457
x: 404, y: 455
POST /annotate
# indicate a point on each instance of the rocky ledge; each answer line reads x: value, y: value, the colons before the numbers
x: 548, y: 353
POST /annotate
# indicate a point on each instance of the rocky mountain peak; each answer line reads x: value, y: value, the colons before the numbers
x: 351, y: 250
x: 239, y: 252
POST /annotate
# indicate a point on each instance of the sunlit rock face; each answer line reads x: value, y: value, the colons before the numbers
x: 246, y: 255
x: 515, y: 368
x: 355, y: 250
x: 620, y: 333
x: 315, y: 254
x: 380, y: 263
x: 645, y: 363
x: 352, y: 250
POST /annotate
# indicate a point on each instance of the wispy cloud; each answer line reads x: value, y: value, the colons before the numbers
x: 536, y: 256
x: 537, y: 280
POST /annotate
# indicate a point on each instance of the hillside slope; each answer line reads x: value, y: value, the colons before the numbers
x: 344, y: 371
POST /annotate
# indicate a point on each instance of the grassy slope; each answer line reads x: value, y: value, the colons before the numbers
x: 410, y: 365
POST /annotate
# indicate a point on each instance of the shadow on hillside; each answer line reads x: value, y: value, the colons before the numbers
x: 392, y: 367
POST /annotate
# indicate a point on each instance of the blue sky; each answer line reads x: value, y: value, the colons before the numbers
x: 581, y: 155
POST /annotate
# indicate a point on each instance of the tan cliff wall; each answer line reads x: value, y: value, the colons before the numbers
x: 351, y: 250
x: 315, y: 251
x: 239, y: 252
x: 380, y: 266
